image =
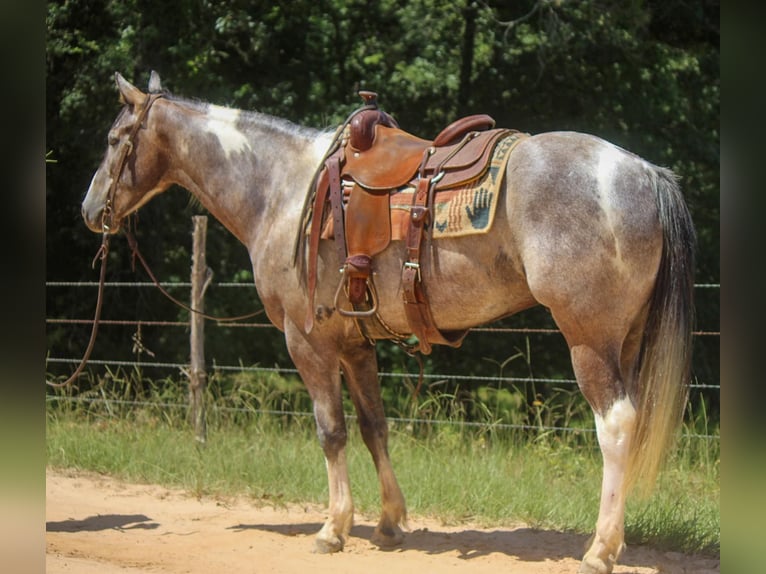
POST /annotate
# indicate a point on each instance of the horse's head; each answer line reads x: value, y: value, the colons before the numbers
x: 134, y: 164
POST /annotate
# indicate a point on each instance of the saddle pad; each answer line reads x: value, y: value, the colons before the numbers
x: 460, y: 211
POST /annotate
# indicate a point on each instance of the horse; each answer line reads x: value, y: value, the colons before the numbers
x: 599, y: 236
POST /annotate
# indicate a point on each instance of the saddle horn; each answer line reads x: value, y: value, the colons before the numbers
x: 363, y: 124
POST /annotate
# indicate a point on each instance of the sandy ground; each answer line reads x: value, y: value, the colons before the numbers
x: 98, y: 525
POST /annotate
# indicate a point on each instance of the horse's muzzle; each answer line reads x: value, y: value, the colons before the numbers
x: 93, y: 217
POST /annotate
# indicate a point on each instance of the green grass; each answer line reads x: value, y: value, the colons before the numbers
x: 452, y: 472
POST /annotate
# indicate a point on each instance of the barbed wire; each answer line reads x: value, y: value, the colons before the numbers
x: 136, y: 322
x: 252, y: 325
x: 294, y: 371
x: 348, y: 417
x: 132, y: 322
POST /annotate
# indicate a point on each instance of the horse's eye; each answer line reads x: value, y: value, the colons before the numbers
x: 113, y: 140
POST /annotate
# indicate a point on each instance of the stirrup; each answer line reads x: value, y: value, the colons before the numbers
x: 353, y: 312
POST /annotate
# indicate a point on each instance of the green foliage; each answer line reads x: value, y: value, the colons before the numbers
x: 645, y: 75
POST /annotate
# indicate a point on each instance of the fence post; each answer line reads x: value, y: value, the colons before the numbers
x: 200, y: 279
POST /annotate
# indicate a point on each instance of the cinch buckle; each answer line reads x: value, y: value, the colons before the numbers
x: 413, y: 265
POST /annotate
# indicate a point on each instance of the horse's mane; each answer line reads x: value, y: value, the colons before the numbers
x: 273, y: 123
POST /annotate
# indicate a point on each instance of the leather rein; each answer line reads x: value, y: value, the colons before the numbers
x: 106, y: 225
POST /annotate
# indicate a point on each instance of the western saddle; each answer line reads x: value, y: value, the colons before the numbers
x: 371, y: 159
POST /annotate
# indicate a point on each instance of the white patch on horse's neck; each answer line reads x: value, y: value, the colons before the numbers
x: 222, y: 122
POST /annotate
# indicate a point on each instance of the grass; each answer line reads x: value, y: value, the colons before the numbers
x: 453, y: 472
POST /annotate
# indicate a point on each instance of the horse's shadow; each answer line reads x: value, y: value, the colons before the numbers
x: 103, y: 522
x: 525, y: 543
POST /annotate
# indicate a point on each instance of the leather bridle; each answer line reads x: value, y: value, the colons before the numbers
x: 119, y: 166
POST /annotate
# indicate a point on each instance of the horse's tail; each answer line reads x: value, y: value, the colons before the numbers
x: 664, y: 365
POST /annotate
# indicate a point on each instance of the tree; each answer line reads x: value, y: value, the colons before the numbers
x: 644, y: 75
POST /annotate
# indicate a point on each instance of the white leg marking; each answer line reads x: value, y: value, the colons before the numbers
x: 335, y: 530
x: 615, y: 432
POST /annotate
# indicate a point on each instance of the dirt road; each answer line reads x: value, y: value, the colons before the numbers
x: 98, y: 525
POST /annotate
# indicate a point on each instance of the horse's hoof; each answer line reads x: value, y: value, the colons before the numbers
x: 387, y: 537
x: 325, y: 546
x: 591, y: 565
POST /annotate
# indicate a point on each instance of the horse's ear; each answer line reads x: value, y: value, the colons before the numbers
x: 129, y: 94
x: 155, y: 85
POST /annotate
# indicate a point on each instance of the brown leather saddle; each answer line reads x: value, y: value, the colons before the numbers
x: 372, y: 159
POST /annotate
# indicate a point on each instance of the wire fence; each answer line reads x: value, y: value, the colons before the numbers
x: 349, y: 417
x: 708, y: 387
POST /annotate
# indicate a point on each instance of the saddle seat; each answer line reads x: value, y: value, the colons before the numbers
x: 372, y: 159
x: 391, y: 162
x: 394, y: 156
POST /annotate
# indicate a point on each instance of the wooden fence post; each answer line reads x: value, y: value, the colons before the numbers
x: 201, y: 276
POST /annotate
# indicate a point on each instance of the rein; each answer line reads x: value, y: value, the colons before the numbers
x: 103, y: 251
x: 137, y: 255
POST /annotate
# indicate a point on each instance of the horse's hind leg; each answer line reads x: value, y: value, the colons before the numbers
x: 598, y: 373
x: 361, y: 373
x: 319, y: 368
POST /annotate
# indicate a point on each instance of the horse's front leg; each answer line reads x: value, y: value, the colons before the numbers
x: 317, y: 362
x: 359, y: 364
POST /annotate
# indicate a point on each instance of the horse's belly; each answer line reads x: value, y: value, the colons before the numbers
x: 463, y: 289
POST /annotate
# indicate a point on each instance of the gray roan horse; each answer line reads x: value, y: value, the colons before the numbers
x: 599, y: 236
